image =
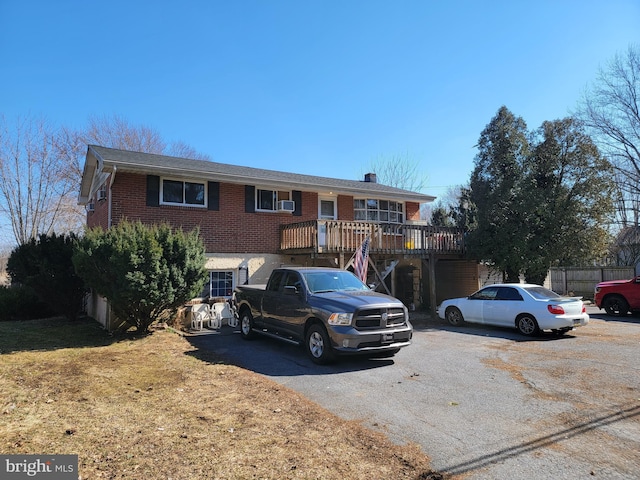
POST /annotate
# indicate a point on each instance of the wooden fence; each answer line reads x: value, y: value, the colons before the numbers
x: 582, y: 282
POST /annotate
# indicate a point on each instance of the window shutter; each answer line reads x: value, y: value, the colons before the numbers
x: 296, y: 196
x: 249, y: 198
x: 153, y: 190
x: 213, y: 196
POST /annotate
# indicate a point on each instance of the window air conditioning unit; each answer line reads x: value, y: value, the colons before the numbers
x: 102, y: 194
x: 286, y: 206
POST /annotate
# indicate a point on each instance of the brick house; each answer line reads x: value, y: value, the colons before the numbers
x: 252, y: 220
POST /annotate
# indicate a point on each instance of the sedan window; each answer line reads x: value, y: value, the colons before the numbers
x: 541, y: 293
x: 488, y: 293
x: 508, y: 293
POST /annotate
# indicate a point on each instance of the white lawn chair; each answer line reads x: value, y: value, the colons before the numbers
x: 215, y: 320
x: 221, y: 311
x: 200, y: 313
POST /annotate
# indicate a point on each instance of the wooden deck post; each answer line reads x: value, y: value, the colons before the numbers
x: 432, y: 285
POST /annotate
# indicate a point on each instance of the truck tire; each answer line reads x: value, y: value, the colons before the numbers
x: 318, y: 345
x: 615, y: 305
x: 246, y: 324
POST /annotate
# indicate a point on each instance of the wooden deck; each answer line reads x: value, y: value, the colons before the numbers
x: 339, y: 236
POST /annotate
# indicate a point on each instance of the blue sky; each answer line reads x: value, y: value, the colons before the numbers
x: 308, y: 86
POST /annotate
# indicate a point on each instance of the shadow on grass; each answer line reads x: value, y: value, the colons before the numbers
x: 53, y: 334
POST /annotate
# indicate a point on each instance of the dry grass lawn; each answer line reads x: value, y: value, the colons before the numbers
x: 148, y: 408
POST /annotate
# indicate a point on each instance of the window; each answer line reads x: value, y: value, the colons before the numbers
x: 274, y: 281
x: 293, y: 280
x: 508, y: 293
x: 267, y: 200
x: 374, y: 210
x: 177, y: 192
x: 328, y: 209
x: 488, y: 293
x: 220, y: 284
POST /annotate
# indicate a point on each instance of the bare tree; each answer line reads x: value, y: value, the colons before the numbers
x: 36, y: 188
x: 442, y: 211
x: 117, y: 132
x: 180, y: 149
x: 611, y: 110
x: 41, y: 169
x: 399, y: 171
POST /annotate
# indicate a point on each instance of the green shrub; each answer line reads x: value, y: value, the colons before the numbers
x: 45, y: 265
x: 145, y: 272
x: 21, y: 303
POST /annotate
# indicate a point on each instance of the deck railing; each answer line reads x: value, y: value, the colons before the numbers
x: 334, y: 236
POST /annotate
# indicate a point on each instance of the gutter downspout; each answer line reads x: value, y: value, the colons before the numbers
x: 108, y: 312
x: 111, y: 180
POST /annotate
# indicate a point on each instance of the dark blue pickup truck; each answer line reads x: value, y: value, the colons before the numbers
x: 328, y: 310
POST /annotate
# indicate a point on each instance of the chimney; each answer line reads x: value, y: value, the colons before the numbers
x: 370, y: 177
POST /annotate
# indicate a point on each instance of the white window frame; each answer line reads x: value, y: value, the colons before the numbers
x: 374, y: 213
x: 223, y: 271
x: 183, y: 203
x: 275, y: 198
x: 331, y: 199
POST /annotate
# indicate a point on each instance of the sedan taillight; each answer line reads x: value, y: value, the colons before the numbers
x: 555, y: 309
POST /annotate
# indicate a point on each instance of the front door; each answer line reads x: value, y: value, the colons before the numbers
x: 326, y: 211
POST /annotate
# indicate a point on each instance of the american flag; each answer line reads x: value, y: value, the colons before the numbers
x: 361, y: 262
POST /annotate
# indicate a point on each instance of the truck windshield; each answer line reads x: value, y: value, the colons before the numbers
x: 319, y: 282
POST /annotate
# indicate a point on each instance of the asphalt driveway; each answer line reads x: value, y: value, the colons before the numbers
x: 483, y: 402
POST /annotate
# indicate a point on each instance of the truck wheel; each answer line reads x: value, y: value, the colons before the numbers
x: 615, y: 305
x: 318, y: 345
x: 527, y: 325
x: 246, y: 325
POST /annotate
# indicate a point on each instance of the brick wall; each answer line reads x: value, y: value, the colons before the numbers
x: 228, y: 230
x: 412, y: 211
x: 345, y: 207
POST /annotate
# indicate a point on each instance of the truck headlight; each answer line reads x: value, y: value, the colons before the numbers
x: 340, y: 319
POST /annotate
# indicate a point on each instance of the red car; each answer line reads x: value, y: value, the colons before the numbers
x: 618, y: 297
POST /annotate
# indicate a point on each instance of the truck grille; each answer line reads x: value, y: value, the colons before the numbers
x: 379, y: 318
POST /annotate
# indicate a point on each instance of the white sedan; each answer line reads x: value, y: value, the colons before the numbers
x: 529, y: 308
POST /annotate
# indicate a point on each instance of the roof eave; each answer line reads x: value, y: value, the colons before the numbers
x: 242, y: 180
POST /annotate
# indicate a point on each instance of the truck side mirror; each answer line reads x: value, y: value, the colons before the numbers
x: 290, y: 290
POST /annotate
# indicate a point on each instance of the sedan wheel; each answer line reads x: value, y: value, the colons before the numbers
x: 318, y: 345
x: 527, y: 325
x: 454, y: 316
